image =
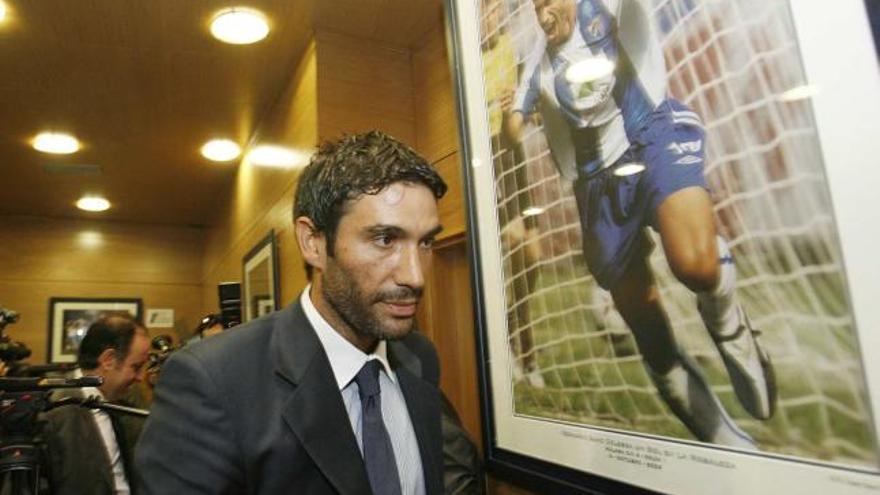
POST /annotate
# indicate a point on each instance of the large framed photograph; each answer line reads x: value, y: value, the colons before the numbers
x: 669, y: 206
x: 70, y: 318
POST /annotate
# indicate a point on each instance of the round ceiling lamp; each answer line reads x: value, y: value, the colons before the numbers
x: 93, y: 203
x: 239, y: 26
x: 57, y: 143
x: 221, y: 150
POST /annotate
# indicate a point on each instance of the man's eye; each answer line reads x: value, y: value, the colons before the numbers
x: 428, y: 243
x: 383, y: 240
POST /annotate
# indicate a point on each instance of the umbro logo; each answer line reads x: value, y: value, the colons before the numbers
x: 688, y: 160
x: 685, y: 147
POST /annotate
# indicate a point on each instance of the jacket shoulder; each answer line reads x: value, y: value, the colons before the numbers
x: 418, y: 355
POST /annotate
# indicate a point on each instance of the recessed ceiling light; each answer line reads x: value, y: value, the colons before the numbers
x: 629, y: 169
x: 589, y: 70
x: 274, y: 156
x: 92, y: 203
x: 56, y: 142
x: 801, y: 92
x: 239, y: 26
x: 221, y: 150
x: 532, y: 211
x: 2, y: 11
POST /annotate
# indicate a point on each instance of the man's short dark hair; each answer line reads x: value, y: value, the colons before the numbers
x: 108, y: 332
x: 355, y: 165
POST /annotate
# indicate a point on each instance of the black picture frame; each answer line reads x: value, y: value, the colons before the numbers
x: 262, y: 258
x: 801, y: 475
x: 70, y: 317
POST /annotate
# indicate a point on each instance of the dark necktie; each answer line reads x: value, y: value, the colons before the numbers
x: 121, y: 442
x: 378, y: 453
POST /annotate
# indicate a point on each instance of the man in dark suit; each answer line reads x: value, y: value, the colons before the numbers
x: 335, y: 393
x: 90, y: 450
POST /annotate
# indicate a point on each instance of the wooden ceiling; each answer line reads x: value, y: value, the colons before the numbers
x: 143, y: 85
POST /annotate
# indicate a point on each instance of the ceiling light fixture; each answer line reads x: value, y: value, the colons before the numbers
x: 56, y: 143
x: 589, y: 70
x: 267, y: 155
x: 221, y: 150
x: 2, y: 11
x: 239, y: 26
x: 93, y: 203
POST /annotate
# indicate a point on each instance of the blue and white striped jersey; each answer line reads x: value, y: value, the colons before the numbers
x: 595, y: 117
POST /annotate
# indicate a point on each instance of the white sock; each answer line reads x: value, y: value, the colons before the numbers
x: 718, y: 307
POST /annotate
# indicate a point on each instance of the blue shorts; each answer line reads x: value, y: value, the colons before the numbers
x: 615, y: 209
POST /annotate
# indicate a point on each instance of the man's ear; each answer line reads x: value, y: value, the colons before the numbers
x: 312, y: 244
x: 107, y: 359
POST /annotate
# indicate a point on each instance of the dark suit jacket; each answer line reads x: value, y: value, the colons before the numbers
x: 78, y: 461
x: 257, y: 410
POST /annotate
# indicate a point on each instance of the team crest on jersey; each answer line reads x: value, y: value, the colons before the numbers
x: 594, y: 21
x: 595, y: 28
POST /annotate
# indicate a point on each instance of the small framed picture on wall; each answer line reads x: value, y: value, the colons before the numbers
x: 70, y: 318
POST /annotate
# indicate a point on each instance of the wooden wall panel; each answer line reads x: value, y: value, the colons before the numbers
x: 262, y: 198
x: 35, y: 248
x: 363, y: 85
x: 229, y: 266
x: 31, y: 299
x: 43, y: 258
x: 437, y: 124
x: 397, y: 22
x: 449, y: 320
x: 452, y: 205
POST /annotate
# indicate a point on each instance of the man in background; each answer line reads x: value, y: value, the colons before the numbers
x: 90, y: 451
x: 210, y: 325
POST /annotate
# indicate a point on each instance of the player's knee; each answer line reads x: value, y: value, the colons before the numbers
x: 697, y: 268
x: 632, y: 300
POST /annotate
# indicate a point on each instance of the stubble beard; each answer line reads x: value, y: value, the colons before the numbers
x: 358, y: 310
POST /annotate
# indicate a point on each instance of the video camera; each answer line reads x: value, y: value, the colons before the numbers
x: 22, y: 398
x: 22, y: 450
x: 10, y: 351
x: 161, y: 348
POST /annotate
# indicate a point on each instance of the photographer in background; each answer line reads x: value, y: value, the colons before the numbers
x: 11, y: 352
x: 209, y: 326
x: 114, y: 348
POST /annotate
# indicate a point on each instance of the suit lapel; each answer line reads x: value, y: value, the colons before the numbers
x: 92, y: 436
x: 314, y: 410
x: 422, y: 402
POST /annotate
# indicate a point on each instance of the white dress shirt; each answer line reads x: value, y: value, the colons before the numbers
x: 346, y: 360
x: 111, y: 446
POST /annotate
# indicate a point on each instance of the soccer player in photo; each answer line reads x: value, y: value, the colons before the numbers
x: 636, y: 159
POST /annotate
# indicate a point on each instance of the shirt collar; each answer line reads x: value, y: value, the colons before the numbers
x: 346, y: 360
x: 87, y: 391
